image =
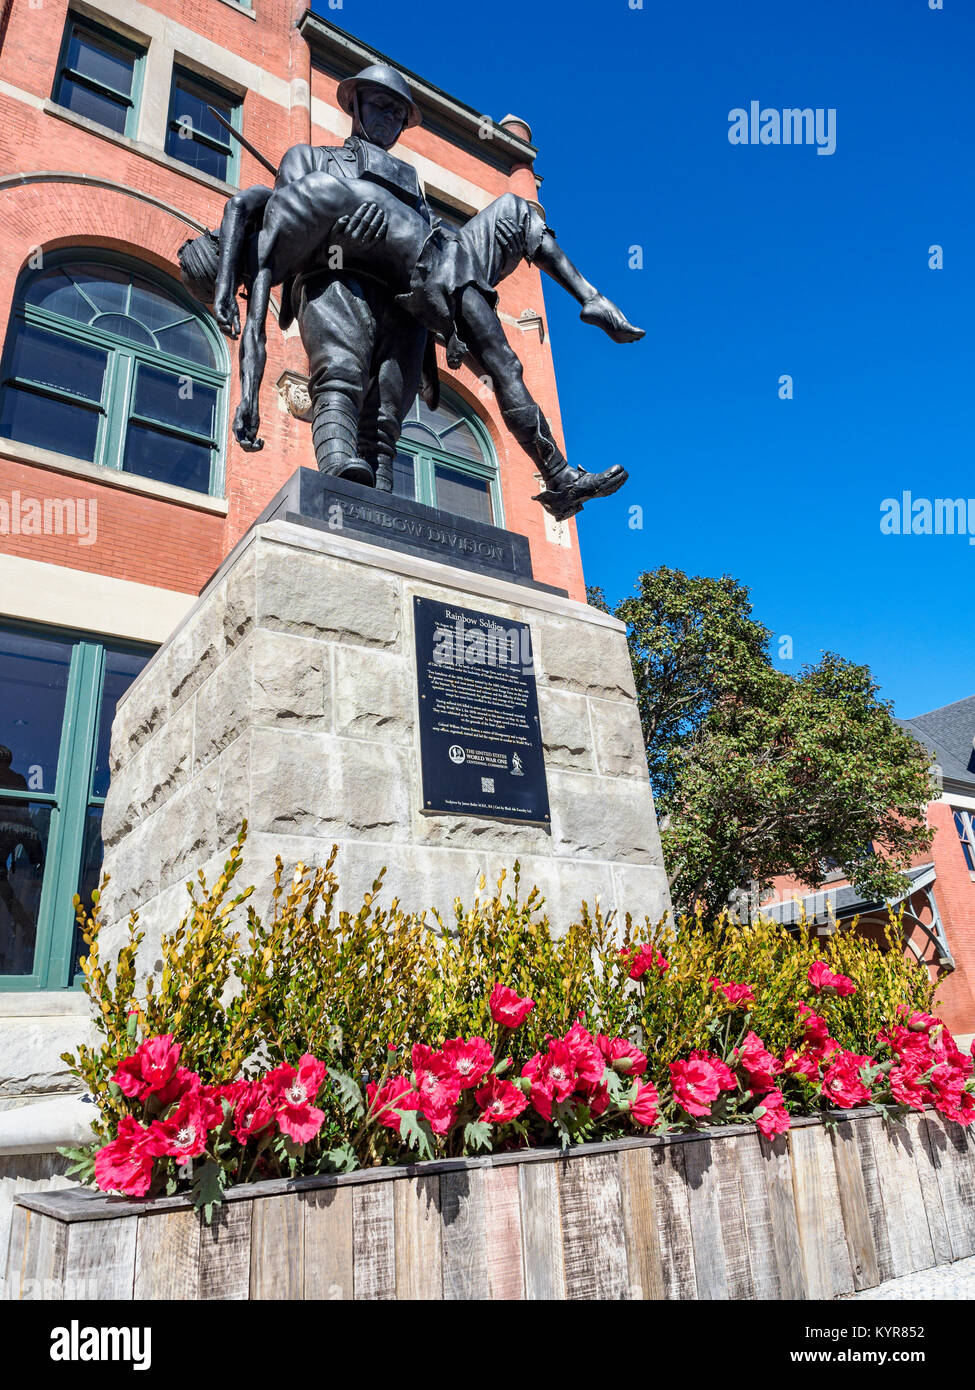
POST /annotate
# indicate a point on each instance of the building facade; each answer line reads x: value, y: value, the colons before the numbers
x: 121, y: 486
x: 939, y: 907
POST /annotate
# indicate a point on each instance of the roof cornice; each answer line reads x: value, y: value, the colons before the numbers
x: 342, y: 54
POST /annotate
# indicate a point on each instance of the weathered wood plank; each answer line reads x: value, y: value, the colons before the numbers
x: 373, y: 1242
x: 957, y: 1177
x: 673, y: 1222
x: 777, y: 1164
x: 929, y: 1160
x: 502, y: 1234
x: 757, y: 1212
x: 822, y: 1239
x: 225, y: 1250
x: 101, y: 1258
x: 734, y: 1230
x: 704, y: 1208
x: 465, y: 1271
x: 328, y: 1243
x: 853, y: 1203
x: 277, y: 1249
x: 644, y: 1267
x: 167, y: 1255
x: 864, y: 1133
x: 541, y: 1226
x: 417, y: 1226
x: 36, y: 1261
x: 903, y: 1203
x: 16, y: 1252
x: 592, y: 1220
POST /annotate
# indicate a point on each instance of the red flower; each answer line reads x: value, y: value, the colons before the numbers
x: 816, y: 1029
x: 622, y: 1055
x: 179, y: 1083
x: 822, y: 978
x: 775, y: 1120
x: 559, y: 1069
x: 253, y: 1112
x: 185, y: 1131
x: 396, y: 1094
x: 759, y: 1065
x: 508, y: 1008
x: 907, y: 1089
x: 802, y: 1063
x: 951, y: 1098
x: 500, y: 1101
x: 698, y: 1081
x: 735, y: 994
x: 149, y: 1068
x: 842, y: 1082
x: 641, y: 958
x: 644, y: 1109
x: 125, y: 1165
x: 438, y: 1086
x: 470, y: 1060
x: 586, y: 1056
x: 292, y: 1094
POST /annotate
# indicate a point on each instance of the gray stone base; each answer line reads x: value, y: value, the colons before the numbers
x: 288, y: 697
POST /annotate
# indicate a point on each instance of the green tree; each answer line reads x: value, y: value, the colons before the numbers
x: 756, y: 772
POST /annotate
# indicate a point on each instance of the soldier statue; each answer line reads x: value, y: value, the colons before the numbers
x: 373, y: 278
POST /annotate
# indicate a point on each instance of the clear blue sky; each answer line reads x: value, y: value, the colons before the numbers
x: 758, y: 261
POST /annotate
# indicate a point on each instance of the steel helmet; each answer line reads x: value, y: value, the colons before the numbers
x: 380, y: 75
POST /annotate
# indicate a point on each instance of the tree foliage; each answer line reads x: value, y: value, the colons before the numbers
x: 757, y: 772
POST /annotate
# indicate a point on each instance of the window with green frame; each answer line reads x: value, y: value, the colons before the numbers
x: 107, y: 362
x: 99, y: 75
x: 194, y: 135
x: 58, y: 693
x: 445, y: 460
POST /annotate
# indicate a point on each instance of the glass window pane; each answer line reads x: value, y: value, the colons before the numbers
x: 97, y: 58
x: 152, y: 454
x: 89, y: 873
x: 121, y: 669
x: 24, y: 830
x: 107, y: 288
x: 174, y: 400
x: 49, y: 424
x: 186, y: 340
x: 463, y: 495
x: 58, y: 293
x: 404, y: 476
x: 197, y: 155
x: 189, y: 109
x: 34, y: 683
x: 51, y: 360
x: 94, y: 106
x: 122, y: 326
x: 461, y: 439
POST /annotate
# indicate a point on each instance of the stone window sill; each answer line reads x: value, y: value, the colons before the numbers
x: 126, y: 142
x: 110, y: 477
x: 61, y: 1003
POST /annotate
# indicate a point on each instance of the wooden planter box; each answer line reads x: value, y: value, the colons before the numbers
x: 820, y: 1212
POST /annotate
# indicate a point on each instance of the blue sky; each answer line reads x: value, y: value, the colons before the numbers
x: 758, y: 261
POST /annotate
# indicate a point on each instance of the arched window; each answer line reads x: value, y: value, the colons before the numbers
x: 445, y: 460
x: 109, y: 362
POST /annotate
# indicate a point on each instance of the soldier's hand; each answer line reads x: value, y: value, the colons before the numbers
x: 507, y: 233
x: 368, y: 224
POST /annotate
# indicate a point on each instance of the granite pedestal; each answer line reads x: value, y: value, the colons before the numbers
x: 289, y: 696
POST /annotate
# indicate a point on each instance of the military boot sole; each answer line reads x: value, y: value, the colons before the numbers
x: 565, y: 502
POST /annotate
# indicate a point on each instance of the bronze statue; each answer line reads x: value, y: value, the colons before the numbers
x: 372, y: 277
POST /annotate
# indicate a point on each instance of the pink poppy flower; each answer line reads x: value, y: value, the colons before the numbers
x: 395, y: 1094
x: 125, y: 1164
x: 292, y: 1093
x: 586, y: 1056
x: 735, y: 994
x: 695, y: 1084
x: 500, y: 1101
x: 622, y: 1055
x: 822, y: 978
x: 185, y: 1130
x: 645, y: 1108
x: 641, y: 959
x: 152, y: 1064
x: 907, y: 1089
x: 759, y: 1065
x: 776, y: 1118
x: 253, y: 1112
x: 470, y: 1060
x: 508, y: 1008
x: 842, y: 1082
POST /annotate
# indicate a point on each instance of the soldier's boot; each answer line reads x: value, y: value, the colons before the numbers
x: 334, y: 432
x: 566, y: 488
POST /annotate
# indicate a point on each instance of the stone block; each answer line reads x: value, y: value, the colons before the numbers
x: 141, y: 714
x: 374, y: 694
x: 30, y: 1054
x: 608, y: 818
x: 195, y: 649
x: 565, y: 886
x: 566, y: 735
x: 643, y: 891
x: 312, y: 595
x: 584, y: 657
x: 222, y: 706
x: 618, y: 739
x: 290, y: 681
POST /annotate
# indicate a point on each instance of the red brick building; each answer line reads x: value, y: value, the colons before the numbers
x: 115, y: 506
x: 939, y: 908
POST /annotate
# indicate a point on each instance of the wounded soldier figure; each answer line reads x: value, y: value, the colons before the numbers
x: 370, y: 223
